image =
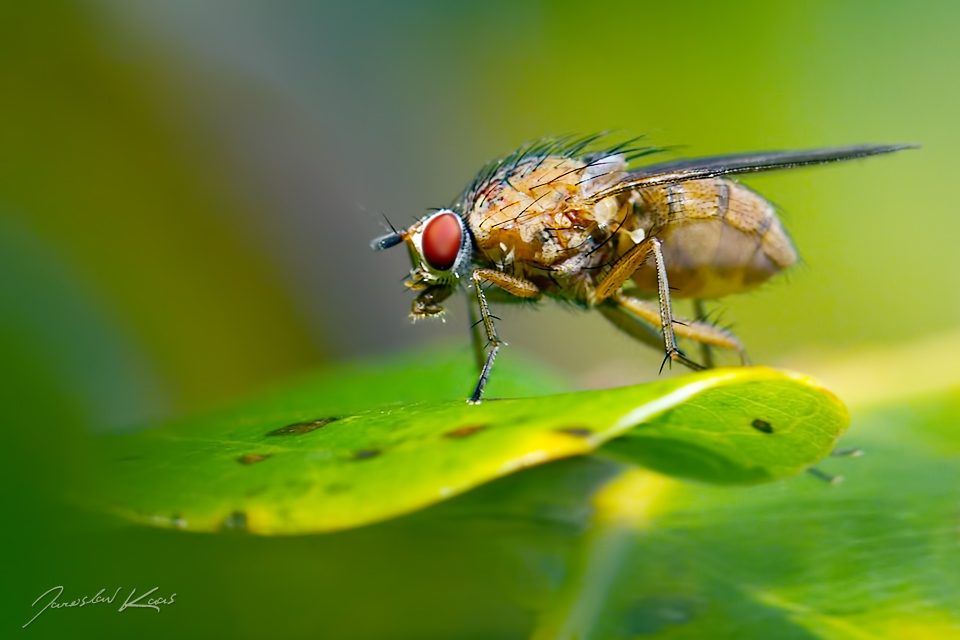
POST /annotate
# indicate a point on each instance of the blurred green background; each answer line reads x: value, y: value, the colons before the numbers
x: 187, y: 192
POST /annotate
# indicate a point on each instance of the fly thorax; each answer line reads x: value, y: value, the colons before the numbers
x: 536, y: 212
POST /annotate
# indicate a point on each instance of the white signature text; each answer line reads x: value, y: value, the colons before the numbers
x: 131, y: 602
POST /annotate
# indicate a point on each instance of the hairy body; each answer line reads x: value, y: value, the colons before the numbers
x: 553, y: 219
x: 537, y: 222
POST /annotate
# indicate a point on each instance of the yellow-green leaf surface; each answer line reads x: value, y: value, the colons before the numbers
x: 875, y: 557
x: 332, y: 453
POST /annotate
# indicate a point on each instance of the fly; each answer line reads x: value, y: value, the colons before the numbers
x: 557, y: 219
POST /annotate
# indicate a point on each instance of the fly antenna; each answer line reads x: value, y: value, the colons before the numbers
x: 391, y: 239
x: 387, y: 241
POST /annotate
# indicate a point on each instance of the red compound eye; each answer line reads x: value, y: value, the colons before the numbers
x: 442, y: 238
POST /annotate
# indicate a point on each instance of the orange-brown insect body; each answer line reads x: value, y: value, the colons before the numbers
x: 719, y: 237
x: 538, y: 223
x: 551, y: 219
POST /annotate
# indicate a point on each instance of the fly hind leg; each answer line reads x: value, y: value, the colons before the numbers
x: 700, y: 313
x: 611, y: 285
x: 705, y: 333
x: 610, y: 289
x: 630, y: 324
x: 513, y: 285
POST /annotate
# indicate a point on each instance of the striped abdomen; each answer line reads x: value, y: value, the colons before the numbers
x: 719, y: 237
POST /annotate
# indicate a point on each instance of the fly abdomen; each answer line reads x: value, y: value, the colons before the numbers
x: 719, y: 237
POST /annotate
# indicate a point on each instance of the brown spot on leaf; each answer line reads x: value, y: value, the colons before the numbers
x: 298, y: 485
x: 579, y: 432
x: 366, y: 454
x: 762, y: 425
x: 300, y: 428
x: 337, y: 487
x: 236, y: 521
x: 463, y: 432
x: 253, y: 458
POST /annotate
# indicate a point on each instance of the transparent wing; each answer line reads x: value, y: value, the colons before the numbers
x: 711, y: 167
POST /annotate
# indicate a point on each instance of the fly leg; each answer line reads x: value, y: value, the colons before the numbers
x: 630, y: 324
x: 515, y: 286
x: 662, y: 314
x: 492, y: 339
x: 666, y: 312
x: 475, y: 339
x: 702, y: 332
x: 621, y: 272
x: 700, y: 312
x: 623, y: 269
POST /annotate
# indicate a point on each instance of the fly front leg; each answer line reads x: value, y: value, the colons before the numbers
x: 516, y: 286
x: 475, y: 340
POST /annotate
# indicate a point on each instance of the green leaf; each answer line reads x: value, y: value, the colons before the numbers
x: 705, y: 438
x: 873, y: 557
x: 329, y: 454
